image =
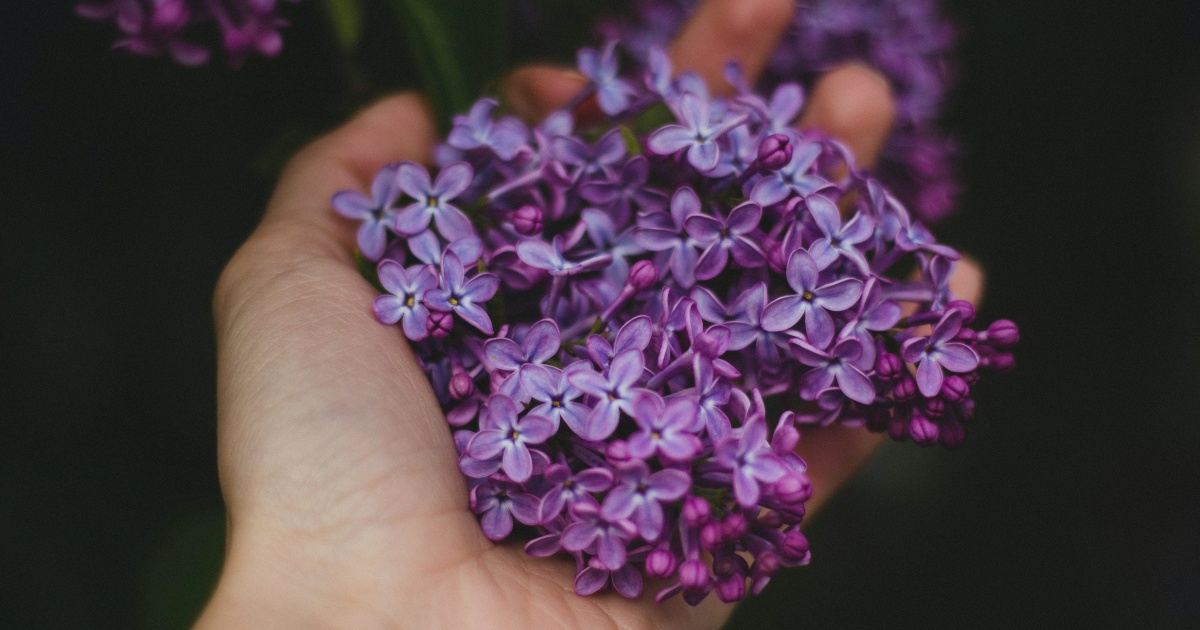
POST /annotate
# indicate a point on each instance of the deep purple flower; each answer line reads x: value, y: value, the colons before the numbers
x: 667, y: 235
x: 874, y: 314
x: 508, y: 436
x: 749, y: 457
x: 432, y: 199
x: 639, y: 494
x: 793, y: 178
x: 626, y: 188
x: 586, y: 161
x: 936, y: 352
x: 497, y: 502
x: 406, y: 303
x: 461, y: 296
x: 843, y: 363
x: 665, y: 428
x: 810, y: 302
x: 697, y: 134
x: 634, y: 335
x: 626, y: 580
x: 566, y: 488
x: 614, y: 392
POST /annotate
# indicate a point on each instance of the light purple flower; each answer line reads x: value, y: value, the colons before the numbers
x: 612, y: 92
x: 936, y: 352
x: 592, y: 532
x: 406, y: 304
x: 750, y: 459
x: 843, y: 363
x: 508, y: 436
x: 613, y: 392
x: 539, y: 254
x: 722, y: 237
x: 477, y: 130
x: 627, y: 580
x: 461, y: 296
x: 497, y: 502
x: 874, y: 314
x: 793, y: 178
x: 567, y: 488
x: 667, y: 235
x: 697, y: 134
x: 640, y: 494
x: 585, y: 161
x: 634, y: 335
x: 810, y: 302
x: 432, y: 199
x: 376, y: 212
x: 665, y: 427
x: 838, y: 239
x: 539, y: 345
x: 552, y: 387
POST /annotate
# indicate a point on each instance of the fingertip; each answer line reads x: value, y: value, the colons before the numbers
x: 745, y: 31
x: 854, y: 104
x: 968, y: 280
x: 534, y: 91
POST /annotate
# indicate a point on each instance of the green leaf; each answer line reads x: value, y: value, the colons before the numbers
x: 459, y: 47
x: 347, y: 19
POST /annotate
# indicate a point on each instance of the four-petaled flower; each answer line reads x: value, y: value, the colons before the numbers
x: 613, y: 392
x: 461, y: 296
x: 406, y: 303
x: 842, y: 363
x: 749, y: 457
x: 640, y: 494
x: 508, y: 436
x: 665, y: 427
x: 697, y: 134
x: 938, y: 351
x: 432, y: 199
x: 810, y: 302
x: 376, y: 212
x: 721, y: 237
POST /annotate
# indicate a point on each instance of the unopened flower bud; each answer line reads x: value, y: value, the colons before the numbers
x: 767, y: 563
x: 923, y: 430
x: 889, y: 367
x: 527, y: 220
x: 696, y: 511
x: 711, y: 535
x: 734, y: 526
x: 461, y: 385
x: 617, y: 451
x: 731, y: 589
x: 897, y: 426
x: 774, y: 152
x: 965, y: 335
x: 643, y: 275
x: 1002, y: 334
x: 951, y: 433
x: 935, y: 407
x: 777, y: 258
x: 955, y: 389
x: 694, y: 575
x: 1000, y: 362
x: 660, y: 564
x: 905, y: 390
x: 966, y: 308
x: 439, y: 324
x: 794, y: 546
x: 793, y: 488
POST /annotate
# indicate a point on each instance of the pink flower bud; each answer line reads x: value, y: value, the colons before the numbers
x: 1000, y: 362
x: 1002, y: 334
x: 711, y: 535
x: 951, y: 433
x: 461, y: 385
x: 696, y: 511
x: 955, y: 389
x: 693, y: 575
x: 527, y: 220
x: 793, y: 488
x: 794, y: 546
x: 643, y: 275
x: 775, y: 152
x: 439, y: 324
x: 923, y: 430
x: 734, y: 526
x: 660, y: 564
x: 966, y: 308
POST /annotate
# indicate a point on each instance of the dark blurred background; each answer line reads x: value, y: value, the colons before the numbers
x: 126, y: 183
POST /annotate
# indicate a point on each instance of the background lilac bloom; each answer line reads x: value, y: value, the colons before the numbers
x: 722, y: 237
x: 476, y: 130
x: 612, y: 93
x: 938, y: 351
x: 508, y: 436
x: 583, y: 160
x: 376, y: 212
x: 461, y: 296
x: 432, y: 199
x: 841, y: 363
x: 406, y: 302
x: 640, y: 493
x: 626, y: 188
x: 810, y: 302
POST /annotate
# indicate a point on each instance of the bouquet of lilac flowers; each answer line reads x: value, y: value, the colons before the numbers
x: 627, y: 324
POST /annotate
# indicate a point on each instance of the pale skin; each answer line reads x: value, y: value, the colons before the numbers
x: 346, y: 507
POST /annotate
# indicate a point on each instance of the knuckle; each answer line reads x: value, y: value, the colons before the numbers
x: 857, y: 101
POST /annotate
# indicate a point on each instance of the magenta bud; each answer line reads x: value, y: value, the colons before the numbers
x: 643, y: 275
x: 660, y: 564
x: 711, y: 535
x: 734, y: 526
x: 793, y: 488
x: 767, y: 563
x: 725, y: 565
x: 707, y: 345
x: 696, y: 511
x: 777, y: 258
x: 951, y: 434
x: 794, y: 546
x: 889, y: 367
x: 693, y: 575
x: 461, y: 385
x: 905, y: 390
x: 527, y: 220
x: 731, y: 589
x: 785, y: 439
x: 617, y: 451
x: 770, y: 519
x: 935, y: 407
x: 1002, y: 334
x: 966, y: 308
x: 955, y: 389
x: 439, y: 324
x: 966, y: 335
x: 972, y: 378
x: 897, y: 427
x: 1000, y: 362
x: 923, y: 430
x: 774, y: 152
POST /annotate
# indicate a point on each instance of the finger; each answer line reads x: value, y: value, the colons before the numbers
x: 852, y: 103
x: 834, y: 453
x: 720, y: 31
x: 533, y: 92
x: 394, y: 129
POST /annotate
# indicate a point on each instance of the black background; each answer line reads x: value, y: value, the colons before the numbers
x: 127, y: 183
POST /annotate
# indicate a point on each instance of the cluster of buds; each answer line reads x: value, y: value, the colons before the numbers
x: 628, y: 323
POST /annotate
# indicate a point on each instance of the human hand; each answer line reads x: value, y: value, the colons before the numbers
x: 345, y: 503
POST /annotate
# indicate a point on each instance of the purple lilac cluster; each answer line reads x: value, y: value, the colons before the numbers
x: 156, y: 27
x: 619, y: 321
x: 909, y: 41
